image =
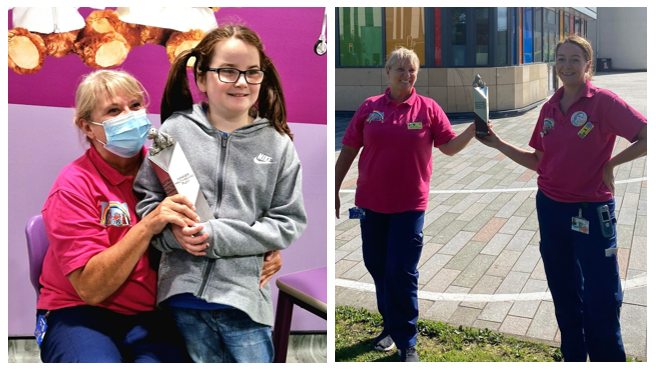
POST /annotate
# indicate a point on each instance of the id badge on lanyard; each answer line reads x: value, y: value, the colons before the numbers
x: 41, y: 327
x: 580, y: 224
x: 357, y: 213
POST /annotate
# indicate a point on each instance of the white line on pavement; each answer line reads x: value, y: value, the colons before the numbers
x: 634, y: 283
x: 348, y: 191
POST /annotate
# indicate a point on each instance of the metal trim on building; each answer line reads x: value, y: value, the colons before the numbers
x: 589, y: 11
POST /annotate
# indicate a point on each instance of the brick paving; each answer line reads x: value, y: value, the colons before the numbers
x: 481, y: 266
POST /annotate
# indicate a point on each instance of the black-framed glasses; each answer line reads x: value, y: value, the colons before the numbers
x: 231, y: 75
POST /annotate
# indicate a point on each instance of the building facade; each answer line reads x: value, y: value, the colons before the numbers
x: 512, y: 49
x: 620, y: 36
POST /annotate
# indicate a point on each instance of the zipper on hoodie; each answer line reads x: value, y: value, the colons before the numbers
x: 224, y: 145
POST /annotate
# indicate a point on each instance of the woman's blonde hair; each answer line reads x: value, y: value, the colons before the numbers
x: 402, y: 54
x: 585, y: 45
x: 110, y: 82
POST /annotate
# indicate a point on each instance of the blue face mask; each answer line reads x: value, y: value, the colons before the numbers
x: 126, y: 134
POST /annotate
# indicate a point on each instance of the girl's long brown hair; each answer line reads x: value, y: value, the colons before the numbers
x: 177, y: 95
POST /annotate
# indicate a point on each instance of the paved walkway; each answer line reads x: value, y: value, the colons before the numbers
x: 481, y: 265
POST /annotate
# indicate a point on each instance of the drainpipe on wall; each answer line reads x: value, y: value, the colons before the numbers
x: 597, y: 39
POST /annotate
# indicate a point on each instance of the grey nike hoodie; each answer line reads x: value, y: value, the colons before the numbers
x: 252, y: 182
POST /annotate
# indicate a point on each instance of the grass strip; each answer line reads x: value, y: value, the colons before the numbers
x: 356, y: 329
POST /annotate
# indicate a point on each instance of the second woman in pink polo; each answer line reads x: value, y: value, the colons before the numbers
x: 397, y: 132
x: 573, y: 143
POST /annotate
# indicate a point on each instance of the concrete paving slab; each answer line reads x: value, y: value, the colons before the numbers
x: 514, y: 325
x: 544, y: 325
x: 634, y: 333
x: 441, y: 311
x: 464, y: 316
x: 484, y: 324
x: 528, y: 260
x: 497, y: 244
x: 432, y: 266
x: 504, y: 262
x: 495, y: 311
x: 465, y: 256
x: 487, y: 285
x: 474, y: 271
x: 441, y: 281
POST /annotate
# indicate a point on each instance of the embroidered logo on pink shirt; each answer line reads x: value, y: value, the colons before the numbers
x: 376, y: 116
x: 114, y: 213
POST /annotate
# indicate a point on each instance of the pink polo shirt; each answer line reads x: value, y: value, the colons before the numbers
x: 90, y: 208
x: 396, y: 163
x: 572, y: 167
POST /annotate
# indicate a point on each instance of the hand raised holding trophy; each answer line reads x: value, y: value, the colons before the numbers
x: 481, y: 107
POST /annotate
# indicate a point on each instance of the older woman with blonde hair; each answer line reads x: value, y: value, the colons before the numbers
x: 397, y: 131
x: 573, y: 143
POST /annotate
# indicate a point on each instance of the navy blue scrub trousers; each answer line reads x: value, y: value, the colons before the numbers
x: 92, y: 334
x: 391, y: 248
x: 584, y: 281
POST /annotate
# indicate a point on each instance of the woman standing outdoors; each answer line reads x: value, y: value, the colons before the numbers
x: 573, y: 142
x: 397, y: 131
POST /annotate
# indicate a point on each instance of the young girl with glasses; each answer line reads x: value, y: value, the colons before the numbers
x: 240, y: 149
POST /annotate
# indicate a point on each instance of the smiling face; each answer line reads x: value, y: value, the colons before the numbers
x: 402, y: 76
x: 231, y: 100
x: 571, y: 64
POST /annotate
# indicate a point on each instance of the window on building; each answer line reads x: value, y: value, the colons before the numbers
x: 537, y: 35
x: 482, y: 36
x: 577, y: 26
x: 513, y: 29
x: 458, y: 36
x: 584, y: 28
x: 360, y: 37
x: 550, y: 32
x: 571, y: 25
x: 501, y: 52
x: 437, y: 16
x: 404, y: 27
x: 545, y: 40
x: 566, y: 25
x: 555, y: 38
x: 528, y: 35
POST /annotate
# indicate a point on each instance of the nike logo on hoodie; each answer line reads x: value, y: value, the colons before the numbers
x: 263, y: 159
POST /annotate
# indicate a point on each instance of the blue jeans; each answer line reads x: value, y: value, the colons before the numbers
x: 91, y: 334
x: 391, y: 248
x: 584, y: 281
x: 223, y: 336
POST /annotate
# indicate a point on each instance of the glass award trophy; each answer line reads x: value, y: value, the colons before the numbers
x: 481, y: 107
x: 175, y: 173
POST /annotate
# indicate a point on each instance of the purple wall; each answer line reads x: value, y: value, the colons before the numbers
x: 288, y: 35
x: 42, y: 139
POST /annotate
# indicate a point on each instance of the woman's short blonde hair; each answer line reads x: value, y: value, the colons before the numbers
x: 402, y: 54
x: 110, y: 82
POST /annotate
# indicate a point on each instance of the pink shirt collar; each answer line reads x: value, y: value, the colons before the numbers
x: 588, y: 91
x: 113, y: 176
x: 410, y: 101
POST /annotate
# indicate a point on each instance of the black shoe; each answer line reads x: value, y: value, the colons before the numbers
x: 409, y: 354
x: 384, y: 342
